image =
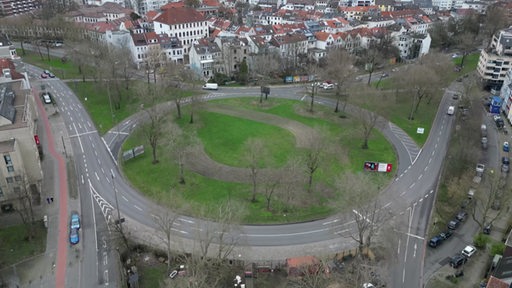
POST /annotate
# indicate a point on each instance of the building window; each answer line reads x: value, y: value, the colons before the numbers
x: 9, y: 179
x: 16, y: 189
x: 10, y: 168
x: 17, y: 178
x: 7, y: 159
x: 1, y: 192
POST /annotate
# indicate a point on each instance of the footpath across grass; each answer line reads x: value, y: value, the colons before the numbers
x: 344, y: 153
x: 14, y: 246
x: 61, y: 69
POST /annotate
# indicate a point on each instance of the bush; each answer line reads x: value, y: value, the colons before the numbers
x: 480, y: 240
x: 497, y: 248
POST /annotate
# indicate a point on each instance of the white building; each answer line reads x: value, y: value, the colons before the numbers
x: 413, y: 45
x: 205, y: 58
x: 186, y: 24
x: 496, y: 60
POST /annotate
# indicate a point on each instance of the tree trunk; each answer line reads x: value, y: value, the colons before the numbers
x: 310, y: 182
x: 48, y: 52
x: 153, y: 148
x: 178, y: 108
x: 182, y: 176
x: 22, y: 49
x: 191, y: 117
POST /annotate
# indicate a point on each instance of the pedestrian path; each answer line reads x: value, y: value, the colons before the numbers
x: 412, y: 148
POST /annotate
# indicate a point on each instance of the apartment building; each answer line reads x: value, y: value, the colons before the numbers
x: 20, y: 170
x: 186, y: 24
x: 17, y: 7
x: 496, y: 60
x: 205, y: 58
x: 233, y: 52
x: 292, y: 47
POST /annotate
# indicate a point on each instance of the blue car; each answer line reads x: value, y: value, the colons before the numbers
x: 506, y: 146
x: 73, y: 237
x: 75, y: 220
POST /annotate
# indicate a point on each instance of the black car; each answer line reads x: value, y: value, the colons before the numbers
x: 461, y: 216
x: 446, y: 234
x: 505, y: 160
x: 435, y: 241
x: 453, y: 224
x: 458, y: 260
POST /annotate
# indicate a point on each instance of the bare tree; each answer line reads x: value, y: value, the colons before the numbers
x: 181, y: 142
x: 490, y: 197
x: 368, y: 121
x: 152, y: 128
x: 340, y: 67
x: 422, y: 81
x: 166, y: 222
x: 271, y: 185
x: 495, y: 19
x: 313, y: 156
x: 155, y: 58
x: 254, y: 150
x: 222, y: 233
x: 366, y: 212
x: 20, y: 188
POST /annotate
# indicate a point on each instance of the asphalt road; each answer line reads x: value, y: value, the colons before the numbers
x: 95, y: 252
x: 408, y: 198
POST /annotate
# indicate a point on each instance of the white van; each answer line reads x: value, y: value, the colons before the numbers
x: 451, y: 110
x: 211, y: 86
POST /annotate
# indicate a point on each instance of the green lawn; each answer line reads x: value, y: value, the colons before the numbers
x: 223, y: 137
x: 14, y: 246
x: 63, y: 70
x: 231, y: 147
x: 152, y: 276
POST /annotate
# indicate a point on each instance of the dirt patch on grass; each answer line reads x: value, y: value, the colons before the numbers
x: 199, y: 162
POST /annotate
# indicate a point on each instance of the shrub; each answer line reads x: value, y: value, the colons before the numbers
x: 497, y: 248
x: 480, y: 240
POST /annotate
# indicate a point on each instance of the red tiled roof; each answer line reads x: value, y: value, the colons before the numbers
x: 179, y: 16
x: 322, y: 36
x: 213, y: 3
x: 169, y: 5
x: 150, y: 16
x: 496, y: 283
x: 6, y: 63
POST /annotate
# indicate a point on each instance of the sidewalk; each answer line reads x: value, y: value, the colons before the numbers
x: 39, y: 271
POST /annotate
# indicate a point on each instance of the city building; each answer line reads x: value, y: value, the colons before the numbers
x: 205, y: 58
x: 413, y: 45
x: 496, y: 60
x: 7, y: 50
x: 17, y: 7
x: 186, y: 24
x: 20, y: 167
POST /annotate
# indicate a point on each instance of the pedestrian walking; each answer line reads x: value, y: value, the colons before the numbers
x: 51, y: 199
x: 48, y: 200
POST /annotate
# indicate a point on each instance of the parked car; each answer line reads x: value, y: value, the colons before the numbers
x: 327, y: 86
x: 455, y: 96
x: 73, y: 236
x: 458, y: 260
x: 453, y: 224
x: 461, y: 216
x: 506, y: 146
x: 446, y: 234
x: 435, y: 241
x: 75, y: 220
x: 505, y: 160
x: 451, y: 110
x: 48, y: 74
x: 47, y: 98
x: 505, y: 168
x: 487, y: 228
x: 469, y: 251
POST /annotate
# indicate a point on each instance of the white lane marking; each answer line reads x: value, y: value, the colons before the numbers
x: 342, y: 231
x: 412, y: 185
x: 414, y: 253
x: 105, y: 275
x: 181, y: 231
x: 109, y: 152
x: 426, y: 196
x: 105, y: 258
x: 137, y: 207
x: 186, y: 220
x: 102, y: 170
x: 387, y: 205
x: 82, y: 176
x: 330, y: 222
x: 421, y: 199
x: 93, y: 219
x: 97, y: 177
x: 79, y: 141
x: 125, y: 199
x: 419, y: 177
x: 403, y: 276
x: 426, y: 167
x: 399, y: 242
x: 402, y: 194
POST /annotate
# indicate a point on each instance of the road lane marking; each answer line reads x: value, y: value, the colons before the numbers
x: 387, y: 205
x: 186, y: 220
x: 412, y: 185
x: 330, y: 222
x: 399, y: 243
x: 181, y: 231
x: 97, y: 177
x: 79, y: 141
x: 426, y: 196
x: 426, y: 167
x: 105, y: 275
x: 125, y: 199
x: 419, y: 177
x: 402, y: 194
x: 342, y: 231
x: 414, y: 253
x: 105, y: 258
x: 137, y: 207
